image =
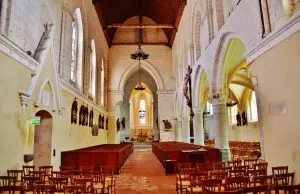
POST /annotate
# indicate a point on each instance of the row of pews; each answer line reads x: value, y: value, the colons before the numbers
x: 171, y: 153
x: 100, y: 155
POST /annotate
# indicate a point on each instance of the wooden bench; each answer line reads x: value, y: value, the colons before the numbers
x: 107, y: 154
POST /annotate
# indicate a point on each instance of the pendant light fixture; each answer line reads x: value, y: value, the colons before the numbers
x: 139, y: 54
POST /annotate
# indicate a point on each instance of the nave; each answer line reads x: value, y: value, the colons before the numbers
x: 143, y: 174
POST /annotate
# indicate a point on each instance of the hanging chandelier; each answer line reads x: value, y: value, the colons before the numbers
x: 139, y: 54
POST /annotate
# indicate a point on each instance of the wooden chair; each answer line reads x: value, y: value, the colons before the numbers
x: 236, y: 183
x: 43, y: 189
x: 224, y: 169
x: 59, y: 183
x: 244, y: 167
x: 109, y: 171
x: 60, y: 174
x: 250, y: 162
x: 234, y: 163
x: 40, y: 175
x: 183, y: 165
x: 28, y: 182
x: 280, y: 170
x: 261, y: 165
x: 86, y: 168
x: 255, y: 173
x: 284, y: 179
x: 219, y: 175
x: 263, y: 180
x: 17, y: 174
x: 75, y: 174
x: 27, y: 170
x: 46, y: 169
x: 6, y: 182
x: 184, y: 179
x: 209, y: 185
x: 74, y: 189
x: 238, y: 173
x: 99, y: 184
x: 256, y: 189
x: 196, y: 182
x: 85, y: 182
x: 290, y: 189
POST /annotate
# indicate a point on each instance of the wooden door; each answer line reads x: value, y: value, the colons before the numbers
x: 43, y: 141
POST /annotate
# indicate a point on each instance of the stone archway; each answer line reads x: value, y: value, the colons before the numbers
x: 43, y: 139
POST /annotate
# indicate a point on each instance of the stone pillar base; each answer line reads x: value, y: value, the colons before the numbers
x: 225, y: 155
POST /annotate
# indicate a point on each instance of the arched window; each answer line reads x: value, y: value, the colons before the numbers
x: 93, y: 70
x: 233, y: 112
x: 253, y: 108
x: 77, y: 49
x: 209, y: 108
x: 142, y: 112
x: 102, y: 82
x: 74, y: 51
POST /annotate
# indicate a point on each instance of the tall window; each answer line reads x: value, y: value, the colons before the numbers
x: 93, y: 70
x: 102, y: 82
x: 233, y: 112
x: 209, y: 108
x: 74, y: 51
x: 142, y: 112
x: 253, y: 108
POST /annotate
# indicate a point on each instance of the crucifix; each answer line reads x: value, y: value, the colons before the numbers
x: 187, y: 91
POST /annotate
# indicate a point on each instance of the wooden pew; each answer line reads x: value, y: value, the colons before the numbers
x: 183, y: 152
x: 107, y: 154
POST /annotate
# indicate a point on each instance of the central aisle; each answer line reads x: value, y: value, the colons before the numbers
x: 143, y: 174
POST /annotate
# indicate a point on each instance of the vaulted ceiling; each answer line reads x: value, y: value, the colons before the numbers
x: 165, y: 13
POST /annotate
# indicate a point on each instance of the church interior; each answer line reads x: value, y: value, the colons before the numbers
x: 149, y: 96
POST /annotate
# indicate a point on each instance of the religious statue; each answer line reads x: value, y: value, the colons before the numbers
x: 74, y: 112
x: 106, y: 123
x: 123, y: 123
x: 86, y: 116
x: 238, y: 119
x: 186, y: 87
x: 118, y: 124
x: 81, y: 115
x: 167, y: 123
x: 95, y: 130
x: 91, y: 121
x: 244, y: 118
x: 99, y: 121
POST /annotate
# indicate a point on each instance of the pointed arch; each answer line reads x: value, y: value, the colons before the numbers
x: 37, y: 102
x: 145, y: 65
x: 93, y: 70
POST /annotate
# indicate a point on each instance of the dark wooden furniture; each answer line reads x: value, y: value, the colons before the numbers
x: 184, y: 152
x: 96, y: 156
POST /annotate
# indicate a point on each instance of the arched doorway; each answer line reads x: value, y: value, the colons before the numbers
x: 43, y: 139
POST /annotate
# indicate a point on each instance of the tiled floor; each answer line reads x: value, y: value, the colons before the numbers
x: 143, y: 174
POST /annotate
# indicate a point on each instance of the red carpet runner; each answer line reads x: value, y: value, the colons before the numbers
x: 143, y: 174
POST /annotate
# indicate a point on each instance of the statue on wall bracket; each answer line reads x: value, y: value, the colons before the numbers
x: 99, y: 121
x: 123, y: 123
x: 74, y: 110
x: 86, y: 116
x: 106, y: 123
x: 95, y: 130
x: 81, y: 115
x: 238, y: 119
x: 118, y: 124
x: 244, y: 118
x: 91, y: 121
x: 167, y: 123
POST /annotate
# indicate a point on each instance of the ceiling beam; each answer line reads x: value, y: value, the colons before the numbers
x: 140, y: 26
x: 177, y: 22
x: 143, y: 44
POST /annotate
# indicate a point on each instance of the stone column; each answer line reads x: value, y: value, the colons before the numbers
x: 4, y: 6
x: 185, y: 127
x: 266, y: 17
x: 221, y: 128
x: 260, y: 125
x: 156, y: 133
x: 178, y: 124
x: 198, y: 127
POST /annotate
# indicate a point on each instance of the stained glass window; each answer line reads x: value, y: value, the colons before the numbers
x: 74, y: 51
x: 142, y: 112
x: 102, y: 83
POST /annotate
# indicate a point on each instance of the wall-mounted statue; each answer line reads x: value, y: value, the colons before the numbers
x: 95, y: 130
x: 91, y: 121
x: 167, y: 123
x: 86, y: 116
x: 186, y: 87
x: 106, y: 123
x: 244, y: 118
x: 238, y: 119
x: 118, y: 124
x: 123, y: 123
x: 99, y: 121
x: 74, y: 110
x: 81, y: 115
